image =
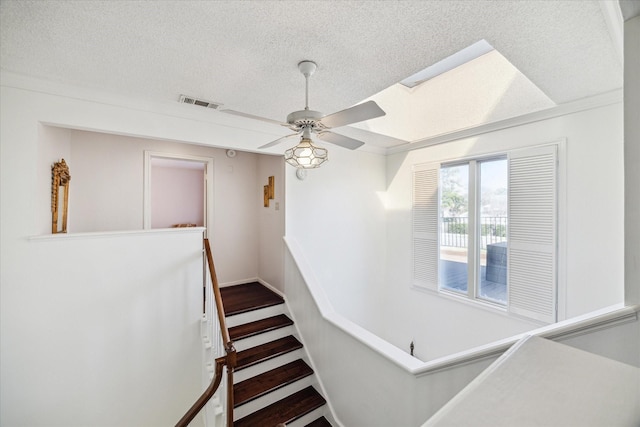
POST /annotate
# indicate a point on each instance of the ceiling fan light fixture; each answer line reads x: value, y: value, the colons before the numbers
x: 305, y: 155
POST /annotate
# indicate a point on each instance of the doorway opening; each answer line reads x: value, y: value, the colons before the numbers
x: 177, y: 191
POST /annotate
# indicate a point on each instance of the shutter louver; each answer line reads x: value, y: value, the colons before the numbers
x: 532, y: 233
x: 425, y: 226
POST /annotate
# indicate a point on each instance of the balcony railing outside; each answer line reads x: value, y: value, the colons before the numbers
x: 454, y: 231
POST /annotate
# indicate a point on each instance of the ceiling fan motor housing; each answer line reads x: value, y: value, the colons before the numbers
x: 305, y: 119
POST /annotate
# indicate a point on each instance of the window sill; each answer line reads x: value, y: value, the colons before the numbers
x: 477, y: 304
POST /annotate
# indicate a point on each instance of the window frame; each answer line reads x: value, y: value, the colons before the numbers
x: 558, y: 147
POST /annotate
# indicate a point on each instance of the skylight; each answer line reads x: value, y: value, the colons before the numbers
x: 453, y: 94
x: 449, y: 63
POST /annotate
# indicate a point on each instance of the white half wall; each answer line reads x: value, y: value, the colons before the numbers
x: 101, y: 330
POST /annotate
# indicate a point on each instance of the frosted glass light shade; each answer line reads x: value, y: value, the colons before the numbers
x: 305, y: 155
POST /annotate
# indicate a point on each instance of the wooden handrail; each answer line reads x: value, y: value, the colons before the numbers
x: 228, y: 360
x: 204, y: 398
x: 218, y: 297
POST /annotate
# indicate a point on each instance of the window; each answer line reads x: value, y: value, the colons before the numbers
x: 485, y: 229
x: 473, y: 230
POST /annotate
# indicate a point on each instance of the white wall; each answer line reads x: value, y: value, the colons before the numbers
x: 89, y: 338
x: 271, y: 222
x: 632, y: 159
x: 592, y: 259
x: 348, y: 216
x: 106, y: 192
x: 337, y: 215
x: 354, y: 226
x: 371, y: 383
x: 177, y: 196
x: 56, y: 336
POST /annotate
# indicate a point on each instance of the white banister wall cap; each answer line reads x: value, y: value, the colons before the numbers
x: 386, y: 349
x: 602, y: 391
x: 321, y: 299
x: 122, y: 233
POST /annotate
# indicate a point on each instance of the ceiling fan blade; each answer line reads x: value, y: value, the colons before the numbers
x: 341, y: 140
x: 251, y: 116
x: 358, y: 113
x: 277, y: 141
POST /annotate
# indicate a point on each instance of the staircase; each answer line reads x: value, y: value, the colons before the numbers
x: 272, y: 382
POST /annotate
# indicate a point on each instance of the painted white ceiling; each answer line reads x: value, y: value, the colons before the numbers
x: 244, y: 53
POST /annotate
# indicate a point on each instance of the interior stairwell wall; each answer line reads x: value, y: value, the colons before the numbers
x: 352, y: 219
x: 370, y: 382
x: 337, y: 214
x: 88, y: 311
x: 591, y: 253
x: 271, y: 222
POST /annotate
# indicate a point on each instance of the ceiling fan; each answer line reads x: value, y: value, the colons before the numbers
x: 307, y: 122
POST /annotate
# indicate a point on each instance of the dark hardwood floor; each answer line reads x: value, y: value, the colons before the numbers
x: 284, y: 411
x: 247, y: 390
x: 250, y: 296
x: 259, y: 326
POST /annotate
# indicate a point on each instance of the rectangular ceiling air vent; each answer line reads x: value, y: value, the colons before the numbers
x: 184, y: 99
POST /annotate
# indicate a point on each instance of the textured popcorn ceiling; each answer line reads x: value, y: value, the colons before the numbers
x: 244, y: 53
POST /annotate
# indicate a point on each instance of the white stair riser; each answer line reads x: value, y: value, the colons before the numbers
x: 252, y: 316
x: 267, y: 365
x: 272, y: 397
x: 263, y: 338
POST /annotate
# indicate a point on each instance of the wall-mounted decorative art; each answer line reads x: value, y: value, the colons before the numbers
x: 60, y: 178
x: 269, y: 191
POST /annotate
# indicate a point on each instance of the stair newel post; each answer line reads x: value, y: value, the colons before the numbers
x: 231, y: 364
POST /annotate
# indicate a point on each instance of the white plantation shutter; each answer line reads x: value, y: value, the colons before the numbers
x: 425, y: 225
x: 532, y: 277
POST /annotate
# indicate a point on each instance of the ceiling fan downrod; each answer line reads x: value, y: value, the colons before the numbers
x: 307, y: 68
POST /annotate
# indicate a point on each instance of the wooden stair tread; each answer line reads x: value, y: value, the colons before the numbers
x: 258, y: 386
x: 266, y: 351
x: 320, y: 422
x: 284, y: 411
x: 247, y: 297
x: 259, y: 326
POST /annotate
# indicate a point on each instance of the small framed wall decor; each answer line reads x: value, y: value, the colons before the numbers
x: 269, y: 191
x: 60, y: 178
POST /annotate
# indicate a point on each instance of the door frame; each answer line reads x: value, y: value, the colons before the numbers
x: 208, y: 185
